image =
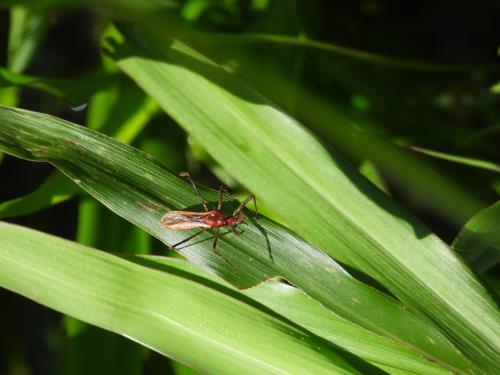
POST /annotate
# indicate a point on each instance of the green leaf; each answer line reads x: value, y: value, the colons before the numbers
x: 27, y: 29
x: 54, y: 190
x: 308, y: 313
x: 119, y: 109
x: 359, y: 139
x: 483, y: 164
x: 352, y: 135
x: 369, y: 170
x: 171, y: 312
x: 222, y: 40
x: 321, y: 197
x: 92, y: 350
x: 73, y: 90
x: 139, y: 189
x: 383, y: 353
x: 479, y: 240
x: 129, y: 112
x: 495, y: 89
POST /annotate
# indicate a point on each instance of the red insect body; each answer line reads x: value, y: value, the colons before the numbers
x: 181, y: 220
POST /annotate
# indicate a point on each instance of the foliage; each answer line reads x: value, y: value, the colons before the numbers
x: 343, y: 270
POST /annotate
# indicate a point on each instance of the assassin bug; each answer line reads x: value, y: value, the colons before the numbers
x: 210, y: 219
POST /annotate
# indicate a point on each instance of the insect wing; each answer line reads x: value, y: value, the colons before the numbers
x: 179, y: 220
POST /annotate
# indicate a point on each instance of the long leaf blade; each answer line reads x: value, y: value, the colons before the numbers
x: 479, y: 239
x: 167, y: 311
x: 322, y: 198
x: 299, y: 308
x: 137, y: 188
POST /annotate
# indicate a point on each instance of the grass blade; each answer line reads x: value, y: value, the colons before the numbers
x: 479, y: 240
x: 321, y: 197
x: 341, y: 51
x: 137, y: 188
x: 27, y: 30
x: 169, y: 312
x: 483, y: 164
x: 299, y: 308
x: 54, y: 190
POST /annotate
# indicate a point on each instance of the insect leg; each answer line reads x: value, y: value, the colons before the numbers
x: 255, y: 206
x: 214, y: 248
x: 236, y: 212
x: 187, y: 239
x: 214, y: 245
x: 186, y: 174
x: 244, y: 203
x: 235, y: 231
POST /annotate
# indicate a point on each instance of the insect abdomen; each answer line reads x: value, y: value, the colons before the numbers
x: 178, y: 220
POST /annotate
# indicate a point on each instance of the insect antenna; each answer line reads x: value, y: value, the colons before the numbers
x: 186, y: 174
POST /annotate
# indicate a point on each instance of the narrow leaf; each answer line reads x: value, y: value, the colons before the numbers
x: 479, y: 240
x: 168, y: 311
x: 73, y: 90
x: 299, y: 308
x: 477, y: 163
x: 27, y: 29
x: 314, y: 191
x: 54, y: 190
x: 139, y: 189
